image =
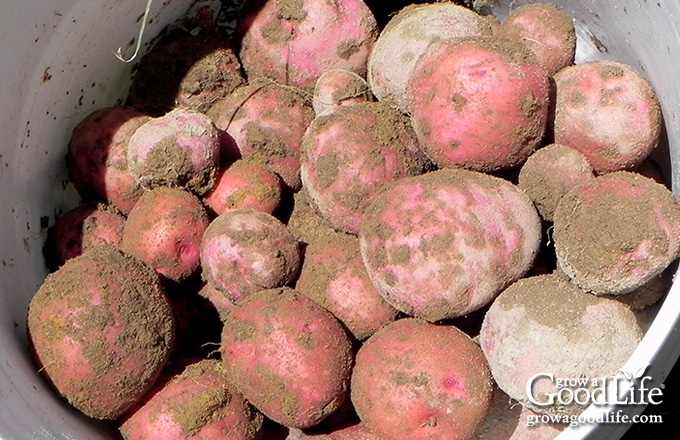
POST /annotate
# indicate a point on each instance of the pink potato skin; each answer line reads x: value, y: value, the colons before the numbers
x: 101, y: 329
x: 244, y: 251
x: 288, y: 356
x: 266, y: 122
x: 196, y: 402
x: 244, y: 185
x: 407, y: 36
x: 608, y: 112
x: 545, y: 30
x: 348, y: 155
x: 294, y: 42
x: 444, y: 244
x: 180, y: 148
x: 333, y: 274
x: 80, y: 228
x: 338, y: 87
x: 164, y: 230
x: 97, y: 157
x: 417, y: 380
x: 478, y: 103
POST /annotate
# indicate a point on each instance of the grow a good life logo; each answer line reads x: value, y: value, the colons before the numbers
x: 625, y: 388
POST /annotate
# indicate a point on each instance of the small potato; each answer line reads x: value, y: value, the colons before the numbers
x: 244, y: 185
x: 339, y: 87
x: 81, y: 228
x: 545, y: 30
x: 608, y: 112
x: 180, y: 148
x: 479, y: 103
x: 616, y: 232
x: 165, y: 229
x: 445, y: 243
x: 333, y: 274
x: 266, y: 121
x: 97, y: 157
x: 349, y: 154
x: 562, y: 331
x: 102, y: 329
x: 288, y: 356
x: 198, y: 402
x: 244, y: 251
x: 417, y: 380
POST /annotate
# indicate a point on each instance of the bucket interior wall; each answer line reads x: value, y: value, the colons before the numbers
x: 58, y: 65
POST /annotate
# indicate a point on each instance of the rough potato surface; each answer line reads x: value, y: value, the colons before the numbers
x: 562, y: 331
x: 478, y: 103
x: 195, y: 402
x: 101, y: 329
x: 445, y: 243
x: 608, y: 112
x: 288, y: 356
x: 545, y: 30
x: 617, y: 232
x: 348, y: 155
x: 294, y: 41
x: 417, y: 380
x: 244, y: 251
x: 551, y: 172
x: 266, y: 122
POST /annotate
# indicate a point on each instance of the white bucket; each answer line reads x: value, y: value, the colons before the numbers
x: 58, y: 66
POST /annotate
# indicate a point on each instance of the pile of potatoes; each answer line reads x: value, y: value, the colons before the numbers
x: 322, y: 227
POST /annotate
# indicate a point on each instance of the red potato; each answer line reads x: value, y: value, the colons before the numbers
x: 478, y: 103
x: 608, y: 112
x: 294, y: 42
x: 190, y: 71
x: 180, y: 148
x: 544, y: 29
x: 81, y: 228
x: 244, y: 185
x: 417, y: 380
x: 101, y: 329
x: 338, y: 87
x: 244, y: 251
x: 288, y: 356
x: 444, y: 244
x: 97, y: 157
x: 616, y: 232
x: 551, y: 172
x: 349, y: 154
x: 333, y: 274
x: 197, y: 402
x: 564, y: 331
x: 406, y: 37
x: 165, y: 229
x: 266, y: 122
